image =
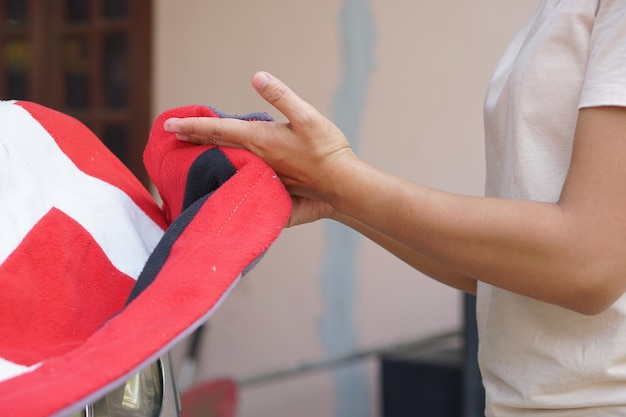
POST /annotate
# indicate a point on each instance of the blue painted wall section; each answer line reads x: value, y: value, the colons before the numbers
x: 338, y: 330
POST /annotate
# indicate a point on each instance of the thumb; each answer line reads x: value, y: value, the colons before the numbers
x: 260, y: 80
x: 282, y: 97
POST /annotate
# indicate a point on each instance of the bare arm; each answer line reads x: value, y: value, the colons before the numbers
x: 427, y: 265
x: 568, y: 253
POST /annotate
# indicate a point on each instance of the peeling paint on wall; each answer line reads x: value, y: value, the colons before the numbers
x: 338, y: 329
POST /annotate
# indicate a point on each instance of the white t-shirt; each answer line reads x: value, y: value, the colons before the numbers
x: 539, y: 359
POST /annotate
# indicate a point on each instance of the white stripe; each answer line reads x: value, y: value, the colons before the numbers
x: 10, y: 370
x: 35, y: 175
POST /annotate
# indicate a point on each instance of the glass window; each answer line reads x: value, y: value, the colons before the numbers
x: 115, y: 9
x: 115, y: 70
x: 17, y: 58
x: 76, y: 53
x: 77, y: 11
x: 16, y: 12
x: 115, y: 138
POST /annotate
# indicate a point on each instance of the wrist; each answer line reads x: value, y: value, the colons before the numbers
x: 343, y: 180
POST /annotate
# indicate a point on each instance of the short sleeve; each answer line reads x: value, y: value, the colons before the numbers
x: 605, y: 80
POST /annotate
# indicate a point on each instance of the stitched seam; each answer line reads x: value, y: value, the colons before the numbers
x: 232, y: 213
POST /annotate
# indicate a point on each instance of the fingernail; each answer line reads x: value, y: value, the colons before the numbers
x: 172, y: 125
x: 182, y: 137
x: 260, y: 80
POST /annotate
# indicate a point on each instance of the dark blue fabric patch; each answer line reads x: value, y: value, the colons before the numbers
x: 207, y: 173
x: 257, y: 116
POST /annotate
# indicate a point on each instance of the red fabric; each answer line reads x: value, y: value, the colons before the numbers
x: 49, y: 287
x: 168, y: 160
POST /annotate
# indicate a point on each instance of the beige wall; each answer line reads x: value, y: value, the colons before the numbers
x: 422, y: 121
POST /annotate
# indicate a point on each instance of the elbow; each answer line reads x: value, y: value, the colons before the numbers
x: 593, y: 296
x: 592, y: 307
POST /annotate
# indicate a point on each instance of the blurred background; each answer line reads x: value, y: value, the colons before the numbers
x: 327, y: 324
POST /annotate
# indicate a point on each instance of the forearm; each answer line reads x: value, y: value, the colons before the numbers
x: 426, y: 265
x: 525, y: 247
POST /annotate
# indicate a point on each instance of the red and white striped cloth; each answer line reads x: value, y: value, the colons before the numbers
x: 77, y: 230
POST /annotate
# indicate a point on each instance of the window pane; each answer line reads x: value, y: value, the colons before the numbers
x: 17, y: 57
x: 76, y: 72
x: 115, y: 74
x: 115, y: 138
x: 16, y: 12
x: 77, y: 11
x: 115, y: 9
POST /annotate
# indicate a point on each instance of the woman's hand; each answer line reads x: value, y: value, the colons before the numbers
x: 306, y: 152
x: 307, y: 210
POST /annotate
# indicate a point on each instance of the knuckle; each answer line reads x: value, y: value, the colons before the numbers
x: 217, y: 133
x: 277, y: 94
x: 212, y: 131
x: 307, y: 116
x: 207, y: 131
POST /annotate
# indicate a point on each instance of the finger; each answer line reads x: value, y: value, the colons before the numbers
x: 211, y: 130
x: 202, y: 140
x: 275, y: 92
